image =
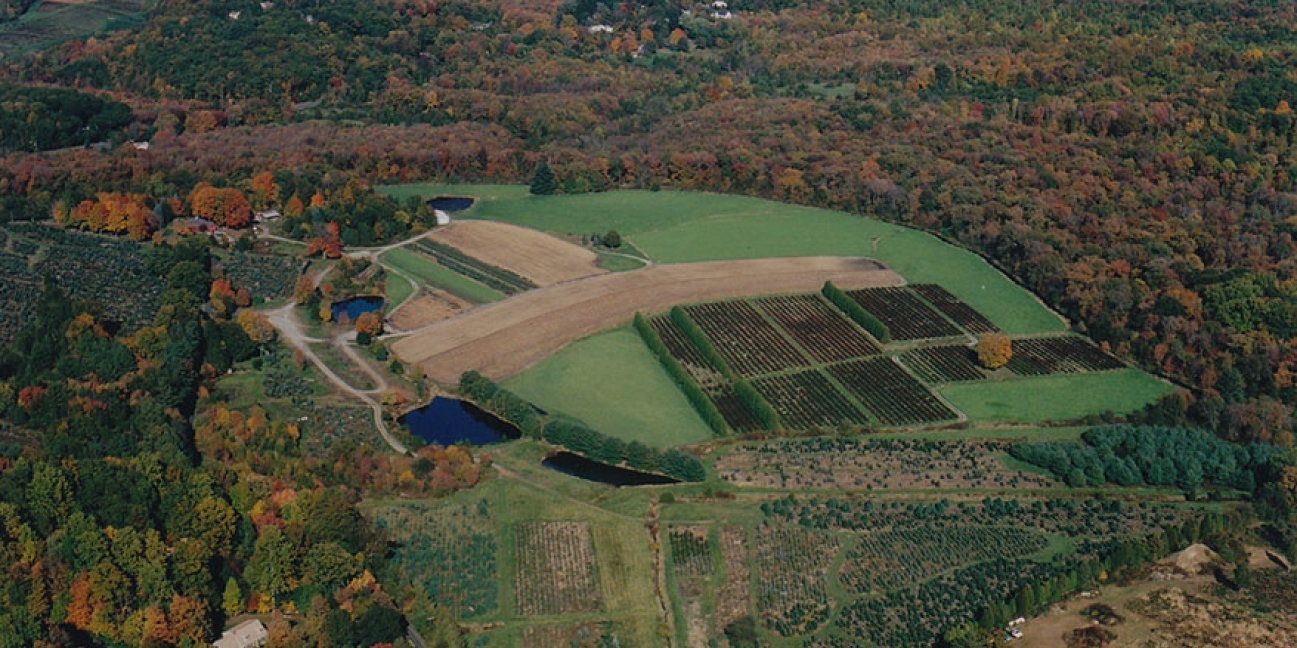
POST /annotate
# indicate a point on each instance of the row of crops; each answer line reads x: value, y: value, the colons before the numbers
x: 555, y: 572
x: 906, y: 315
x: 1060, y: 516
x: 792, y: 575
x: 782, y: 344
x: 890, y: 393
x: 807, y: 399
x: 888, y: 560
x: 450, y: 553
x: 958, y: 312
x: 110, y: 272
x: 816, y: 368
x: 484, y: 273
x: 875, y: 462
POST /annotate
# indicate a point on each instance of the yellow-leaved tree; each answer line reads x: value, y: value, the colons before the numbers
x: 994, y: 350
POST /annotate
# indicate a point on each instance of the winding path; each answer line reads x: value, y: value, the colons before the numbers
x: 284, y: 318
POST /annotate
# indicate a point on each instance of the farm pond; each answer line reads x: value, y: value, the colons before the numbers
x: 580, y: 467
x: 348, y: 310
x: 451, y: 203
x: 447, y: 421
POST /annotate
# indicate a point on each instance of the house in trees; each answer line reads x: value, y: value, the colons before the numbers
x: 249, y: 634
x: 268, y: 215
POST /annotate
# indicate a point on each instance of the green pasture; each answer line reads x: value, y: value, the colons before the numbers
x: 432, y: 274
x: 678, y: 227
x: 1056, y: 398
x: 398, y: 289
x: 612, y: 383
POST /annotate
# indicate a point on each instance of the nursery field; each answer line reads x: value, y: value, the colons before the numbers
x: 810, y: 364
x: 533, y: 557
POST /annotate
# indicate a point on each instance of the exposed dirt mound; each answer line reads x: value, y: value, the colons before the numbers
x: 1193, y: 560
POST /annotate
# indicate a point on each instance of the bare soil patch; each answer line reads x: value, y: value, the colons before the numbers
x: 543, y: 259
x: 503, y: 338
x: 428, y: 308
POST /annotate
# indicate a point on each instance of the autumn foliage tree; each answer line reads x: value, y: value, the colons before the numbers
x: 369, y: 324
x: 330, y: 244
x: 111, y: 213
x: 994, y: 350
x: 227, y: 206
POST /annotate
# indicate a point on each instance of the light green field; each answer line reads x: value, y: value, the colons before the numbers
x: 432, y: 274
x: 1056, y: 398
x: 618, y: 262
x: 676, y: 227
x: 398, y: 290
x: 612, y: 383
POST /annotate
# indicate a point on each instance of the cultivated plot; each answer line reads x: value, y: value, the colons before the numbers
x: 555, y: 569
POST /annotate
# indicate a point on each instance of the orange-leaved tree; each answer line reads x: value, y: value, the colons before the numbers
x: 994, y: 350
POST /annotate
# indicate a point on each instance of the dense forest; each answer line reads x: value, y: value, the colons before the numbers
x: 1132, y: 163
x: 137, y: 507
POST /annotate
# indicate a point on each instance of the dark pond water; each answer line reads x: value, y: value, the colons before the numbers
x: 349, y: 310
x: 578, y: 466
x: 451, y: 203
x: 447, y: 421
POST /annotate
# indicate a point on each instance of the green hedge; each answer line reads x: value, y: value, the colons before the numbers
x: 856, y: 312
x: 757, y: 404
x: 610, y: 450
x: 697, y: 397
x: 696, y: 337
x: 501, y: 402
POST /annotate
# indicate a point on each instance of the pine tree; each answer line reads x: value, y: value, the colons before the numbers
x: 232, y: 601
x: 542, y: 181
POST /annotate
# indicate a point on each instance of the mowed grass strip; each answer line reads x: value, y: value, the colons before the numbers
x: 398, y: 290
x: 1056, y: 398
x: 430, y: 273
x: 611, y: 382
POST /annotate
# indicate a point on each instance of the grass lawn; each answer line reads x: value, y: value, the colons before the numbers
x: 398, y: 290
x: 433, y: 274
x: 1056, y: 398
x: 612, y: 383
x: 674, y: 227
x: 618, y: 262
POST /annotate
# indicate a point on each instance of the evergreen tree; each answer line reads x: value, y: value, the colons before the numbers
x: 542, y: 181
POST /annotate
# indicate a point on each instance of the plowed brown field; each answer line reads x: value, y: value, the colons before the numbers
x: 543, y: 259
x: 503, y: 338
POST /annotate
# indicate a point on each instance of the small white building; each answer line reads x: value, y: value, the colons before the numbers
x: 234, y: 15
x: 268, y: 215
x: 600, y: 29
x: 249, y: 634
